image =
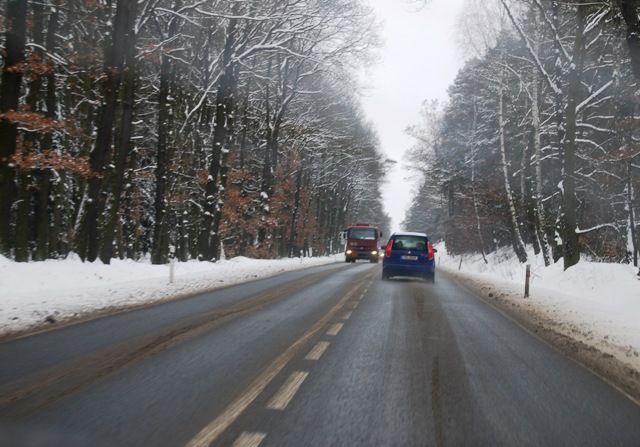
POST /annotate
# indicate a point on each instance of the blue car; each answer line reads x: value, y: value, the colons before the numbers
x: 409, y: 254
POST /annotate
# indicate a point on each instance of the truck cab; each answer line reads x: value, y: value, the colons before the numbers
x: 362, y: 242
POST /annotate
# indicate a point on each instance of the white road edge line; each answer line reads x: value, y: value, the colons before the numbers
x: 317, y: 350
x: 286, y: 392
x: 333, y: 330
x: 249, y: 439
x: 347, y: 315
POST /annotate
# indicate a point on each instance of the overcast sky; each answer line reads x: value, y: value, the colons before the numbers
x: 418, y: 61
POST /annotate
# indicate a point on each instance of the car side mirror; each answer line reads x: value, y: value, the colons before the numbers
x: 435, y: 250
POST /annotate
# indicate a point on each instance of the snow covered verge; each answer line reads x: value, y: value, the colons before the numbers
x: 591, y: 311
x: 38, y: 294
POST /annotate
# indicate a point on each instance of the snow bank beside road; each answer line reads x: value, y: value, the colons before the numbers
x: 37, y: 293
x: 595, y: 303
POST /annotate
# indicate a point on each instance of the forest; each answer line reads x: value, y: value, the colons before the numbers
x: 194, y: 128
x: 537, y: 146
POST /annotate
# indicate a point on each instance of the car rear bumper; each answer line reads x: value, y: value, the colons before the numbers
x: 418, y: 269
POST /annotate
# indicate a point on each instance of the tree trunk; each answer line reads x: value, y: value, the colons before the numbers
x: 42, y: 177
x: 216, y: 241
x: 245, y: 125
x: 473, y: 182
x: 123, y: 141
x: 518, y: 244
x: 296, y: 207
x: 541, y: 235
x: 55, y: 238
x: 16, y: 20
x: 160, y: 244
x: 267, y: 170
x: 23, y: 206
x: 570, y: 240
x: 209, y: 241
x: 26, y: 217
x: 629, y: 10
x: 47, y: 240
x: 114, y: 62
x: 129, y: 227
x: 632, y: 218
x: 42, y: 216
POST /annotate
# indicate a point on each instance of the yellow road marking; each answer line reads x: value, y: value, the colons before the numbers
x: 284, y: 395
x: 215, y: 428
x: 333, y: 330
x: 317, y: 351
x: 249, y: 439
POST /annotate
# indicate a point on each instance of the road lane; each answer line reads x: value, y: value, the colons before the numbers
x: 167, y: 397
x: 340, y: 359
x: 28, y: 354
x: 421, y: 364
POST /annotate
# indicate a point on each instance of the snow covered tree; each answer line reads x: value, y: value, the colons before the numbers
x: 198, y: 125
x: 549, y: 110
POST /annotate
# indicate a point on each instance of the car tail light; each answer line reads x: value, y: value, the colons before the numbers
x: 387, y: 250
x: 430, y: 250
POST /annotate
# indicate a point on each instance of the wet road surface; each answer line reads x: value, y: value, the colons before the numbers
x: 328, y: 356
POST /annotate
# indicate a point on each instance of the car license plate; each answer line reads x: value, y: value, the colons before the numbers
x: 410, y: 258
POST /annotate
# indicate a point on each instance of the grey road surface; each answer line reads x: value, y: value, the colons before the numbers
x: 328, y: 356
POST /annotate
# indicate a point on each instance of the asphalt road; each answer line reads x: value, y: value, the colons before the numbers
x: 329, y: 356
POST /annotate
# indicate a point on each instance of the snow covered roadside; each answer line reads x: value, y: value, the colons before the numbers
x: 40, y: 293
x: 591, y: 311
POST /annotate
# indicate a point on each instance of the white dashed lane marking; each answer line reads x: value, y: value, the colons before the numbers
x: 249, y: 439
x: 208, y: 434
x: 287, y: 391
x: 317, y: 351
x: 333, y: 330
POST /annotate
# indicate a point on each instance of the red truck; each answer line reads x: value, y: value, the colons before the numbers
x: 362, y: 242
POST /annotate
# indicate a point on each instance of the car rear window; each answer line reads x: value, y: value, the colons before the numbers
x: 417, y: 243
x: 363, y: 233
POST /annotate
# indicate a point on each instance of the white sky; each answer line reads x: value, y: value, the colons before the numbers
x: 418, y: 61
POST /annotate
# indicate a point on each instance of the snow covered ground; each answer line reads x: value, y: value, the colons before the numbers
x: 596, y: 303
x: 31, y: 293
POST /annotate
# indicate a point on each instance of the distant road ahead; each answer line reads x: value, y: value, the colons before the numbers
x: 326, y: 356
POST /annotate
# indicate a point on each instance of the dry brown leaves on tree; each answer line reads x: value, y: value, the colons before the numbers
x: 33, y: 121
x: 28, y: 160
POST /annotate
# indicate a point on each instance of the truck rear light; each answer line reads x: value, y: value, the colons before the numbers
x: 430, y: 251
x: 387, y: 250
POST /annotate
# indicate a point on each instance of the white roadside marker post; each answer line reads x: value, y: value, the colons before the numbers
x: 172, y: 259
x: 527, y: 279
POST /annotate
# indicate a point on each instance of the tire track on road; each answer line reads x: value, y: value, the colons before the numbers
x: 212, y: 431
x: 29, y: 395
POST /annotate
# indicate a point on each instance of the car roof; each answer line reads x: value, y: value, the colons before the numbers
x: 409, y: 233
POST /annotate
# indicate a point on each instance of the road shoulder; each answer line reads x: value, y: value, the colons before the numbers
x: 24, y: 313
x: 616, y: 364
